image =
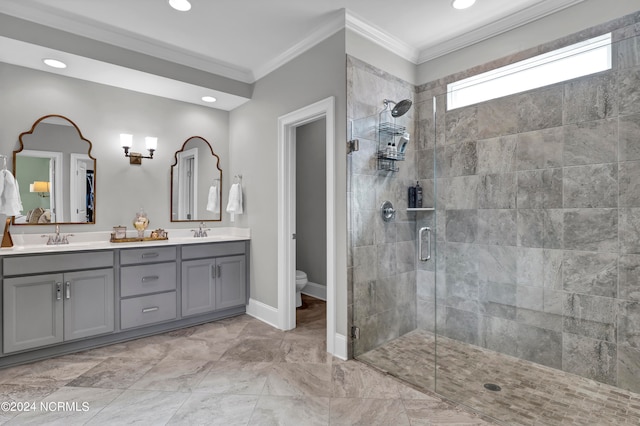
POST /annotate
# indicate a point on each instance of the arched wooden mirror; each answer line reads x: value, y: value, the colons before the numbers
x: 196, y: 183
x: 56, y: 174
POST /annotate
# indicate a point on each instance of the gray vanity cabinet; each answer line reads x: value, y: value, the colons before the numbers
x: 210, y: 284
x: 215, y: 279
x: 45, y: 309
x: 66, y: 301
x: 148, y: 283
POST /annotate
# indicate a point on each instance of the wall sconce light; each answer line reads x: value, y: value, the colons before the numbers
x: 42, y: 188
x: 126, y: 141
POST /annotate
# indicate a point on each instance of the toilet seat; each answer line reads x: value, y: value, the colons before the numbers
x: 301, y: 275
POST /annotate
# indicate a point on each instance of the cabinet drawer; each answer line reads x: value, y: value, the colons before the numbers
x: 145, y: 279
x: 196, y: 251
x: 147, y: 255
x: 48, y: 263
x: 145, y: 310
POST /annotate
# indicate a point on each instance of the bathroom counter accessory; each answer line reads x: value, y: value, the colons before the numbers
x: 136, y: 239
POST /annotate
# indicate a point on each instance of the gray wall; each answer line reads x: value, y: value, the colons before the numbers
x: 311, y: 201
x: 310, y: 77
x: 102, y: 113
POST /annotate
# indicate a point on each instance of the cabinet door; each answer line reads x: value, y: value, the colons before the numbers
x: 88, y: 303
x: 198, y: 286
x: 231, y: 286
x: 33, y: 311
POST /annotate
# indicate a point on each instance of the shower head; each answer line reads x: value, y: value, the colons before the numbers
x: 400, y: 108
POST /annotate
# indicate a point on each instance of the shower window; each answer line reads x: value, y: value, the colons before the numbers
x: 580, y: 59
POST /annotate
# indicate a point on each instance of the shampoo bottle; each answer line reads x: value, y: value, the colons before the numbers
x: 418, y: 195
x: 412, y: 197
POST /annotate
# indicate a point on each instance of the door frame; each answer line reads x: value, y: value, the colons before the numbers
x: 287, y: 125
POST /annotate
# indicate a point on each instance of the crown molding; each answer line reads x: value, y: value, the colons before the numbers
x: 334, y: 24
x: 379, y: 37
x: 515, y: 20
x: 48, y: 16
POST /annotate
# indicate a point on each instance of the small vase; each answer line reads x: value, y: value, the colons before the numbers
x: 141, y: 222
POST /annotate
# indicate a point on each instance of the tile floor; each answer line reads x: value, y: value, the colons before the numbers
x: 531, y: 394
x: 237, y: 371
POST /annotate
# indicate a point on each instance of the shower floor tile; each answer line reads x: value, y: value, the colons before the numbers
x: 530, y: 394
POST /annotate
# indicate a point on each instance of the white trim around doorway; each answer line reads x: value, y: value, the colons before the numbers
x: 287, y: 125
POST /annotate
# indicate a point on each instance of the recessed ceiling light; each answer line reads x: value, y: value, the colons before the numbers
x: 181, y: 5
x: 54, y: 63
x: 462, y: 4
x: 209, y: 99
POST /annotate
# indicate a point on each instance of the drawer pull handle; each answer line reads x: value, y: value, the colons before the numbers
x: 152, y: 309
x: 150, y: 255
x: 150, y: 278
x: 67, y: 290
x: 58, y: 291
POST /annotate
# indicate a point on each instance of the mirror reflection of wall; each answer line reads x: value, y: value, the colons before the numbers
x: 54, y: 154
x: 196, y: 183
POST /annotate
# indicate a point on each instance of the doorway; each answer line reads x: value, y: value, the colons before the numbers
x: 287, y: 125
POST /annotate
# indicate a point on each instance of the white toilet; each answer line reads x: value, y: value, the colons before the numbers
x: 301, y: 281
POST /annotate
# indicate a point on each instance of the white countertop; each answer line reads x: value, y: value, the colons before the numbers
x: 83, y: 241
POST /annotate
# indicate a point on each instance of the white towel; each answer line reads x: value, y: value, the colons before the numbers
x: 213, y: 201
x: 234, y: 206
x: 10, y: 202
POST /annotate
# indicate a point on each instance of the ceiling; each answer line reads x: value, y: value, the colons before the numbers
x: 246, y: 39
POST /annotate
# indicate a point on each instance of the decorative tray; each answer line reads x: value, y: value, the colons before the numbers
x: 136, y: 239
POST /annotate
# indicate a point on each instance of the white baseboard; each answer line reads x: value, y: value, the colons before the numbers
x: 263, y: 312
x: 318, y: 291
x: 340, y: 346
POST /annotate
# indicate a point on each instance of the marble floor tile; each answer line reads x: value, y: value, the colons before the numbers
x: 152, y: 347
x: 293, y: 379
x: 81, y: 405
x: 199, y: 347
x: 429, y: 413
x: 291, y: 411
x: 367, y: 412
x: 355, y: 380
x: 214, y: 409
x: 13, y: 393
x: 52, y: 372
x: 178, y: 375
x: 306, y: 351
x: 141, y: 407
x: 260, y: 329
x: 235, y: 377
x: 255, y: 349
x: 114, y: 373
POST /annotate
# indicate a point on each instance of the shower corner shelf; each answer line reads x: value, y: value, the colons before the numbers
x: 391, y: 129
x: 387, y: 157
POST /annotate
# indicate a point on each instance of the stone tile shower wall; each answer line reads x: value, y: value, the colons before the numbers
x: 538, y: 211
x: 382, y: 268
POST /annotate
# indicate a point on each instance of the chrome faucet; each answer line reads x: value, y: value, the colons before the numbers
x: 57, y: 239
x: 200, y: 233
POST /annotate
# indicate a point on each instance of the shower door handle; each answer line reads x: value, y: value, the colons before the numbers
x: 428, y: 256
